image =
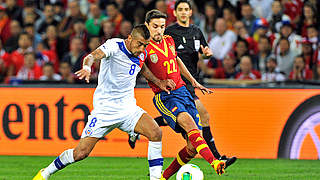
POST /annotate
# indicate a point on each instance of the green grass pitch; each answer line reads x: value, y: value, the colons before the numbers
x: 116, y: 168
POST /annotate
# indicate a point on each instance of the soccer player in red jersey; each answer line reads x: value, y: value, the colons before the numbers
x: 178, y: 107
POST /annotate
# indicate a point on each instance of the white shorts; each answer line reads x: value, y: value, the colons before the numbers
x: 100, y: 125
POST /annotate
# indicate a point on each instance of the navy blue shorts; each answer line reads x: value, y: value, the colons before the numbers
x: 170, y: 105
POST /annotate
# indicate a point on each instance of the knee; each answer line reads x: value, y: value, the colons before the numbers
x: 156, y: 134
x: 80, y: 154
x: 205, y: 116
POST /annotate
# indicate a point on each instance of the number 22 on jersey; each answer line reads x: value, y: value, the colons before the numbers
x: 171, y: 66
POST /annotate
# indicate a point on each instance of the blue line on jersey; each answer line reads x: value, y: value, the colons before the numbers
x: 129, y: 55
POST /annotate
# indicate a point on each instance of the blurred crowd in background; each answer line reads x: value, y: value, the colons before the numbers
x: 269, y: 40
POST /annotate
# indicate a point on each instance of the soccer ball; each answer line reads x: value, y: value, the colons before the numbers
x: 189, y: 172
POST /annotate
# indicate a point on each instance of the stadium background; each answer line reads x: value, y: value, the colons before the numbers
x: 249, y: 118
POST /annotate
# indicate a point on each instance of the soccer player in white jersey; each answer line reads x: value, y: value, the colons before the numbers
x: 114, y: 105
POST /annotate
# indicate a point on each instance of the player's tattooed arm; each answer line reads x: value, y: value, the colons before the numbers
x: 165, y: 85
x: 87, y: 63
x: 185, y: 72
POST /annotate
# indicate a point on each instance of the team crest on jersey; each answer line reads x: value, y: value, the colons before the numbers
x: 141, y: 56
x: 154, y: 58
x: 88, y: 132
x: 172, y: 50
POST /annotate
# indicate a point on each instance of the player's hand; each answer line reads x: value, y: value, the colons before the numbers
x: 83, y: 73
x: 206, y: 51
x: 203, y: 89
x: 167, y: 85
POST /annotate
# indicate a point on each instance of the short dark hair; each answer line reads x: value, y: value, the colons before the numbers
x: 48, y: 64
x: 182, y: 1
x: 142, y: 30
x: 154, y: 14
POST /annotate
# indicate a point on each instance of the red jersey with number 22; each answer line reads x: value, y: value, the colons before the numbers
x: 162, y: 62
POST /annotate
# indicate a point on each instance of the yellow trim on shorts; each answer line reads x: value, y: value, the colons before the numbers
x: 163, y: 109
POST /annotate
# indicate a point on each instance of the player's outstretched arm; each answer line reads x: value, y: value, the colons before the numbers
x: 85, y: 72
x: 185, y: 72
x: 165, y: 85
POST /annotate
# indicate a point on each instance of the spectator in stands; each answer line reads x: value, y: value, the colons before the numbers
x: 230, y: 17
x: 261, y: 9
x: 272, y: 74
x: 94, y: 43
x: 138, y: 16
x: 309, y: 17
x: 114, y: 16
x: 208, y: 22
x: 4, y: 24
x: 242, y: 33
x: 125, y: 29
x: 107, y: 30
x: 220, y: 5
x: 227, y: 71
x: 66, y: 73
x: 36, y: 37
x: 286, y: 31
x: 246, y: 70
x: 299, y: 71
x: 261, y: 28
x: 126, y: 7
x: 307, y: 53
x: 53, y: 42
x: 221, y: 44
x: 42, y: 24
x: 14, y: 11
x: 45, y: 55
x: 264, y: 51
x: 248, y: 18
x: 31, y: 13
x: 12, y: 42
x: 76, y: 54
x: 313, y: 36
x: 241, y: 49
x: 277, y: 17
x: 293, y: 9
x: 66, y: 25
x: 49, y: 73
x: 162, y: 6
x: 30, y: 70
x: 59, y: 11
x: 316, y: 71
x: 80, y: 31
x: 17, y: 56
x: 93, y: 24
x: 285, y: 56
x: 5, y: 64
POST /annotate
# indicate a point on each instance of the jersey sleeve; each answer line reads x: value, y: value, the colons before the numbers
x: 203, y: 41
x: 109, y: 47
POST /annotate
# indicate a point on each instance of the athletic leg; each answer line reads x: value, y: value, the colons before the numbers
x: 149, y: 128
x: 197, y: 141
x: 183, y: 157
x: 204, y: 115
x: 81, y: 151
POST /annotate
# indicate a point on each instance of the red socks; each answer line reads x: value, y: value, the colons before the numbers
x: 200, y: 145
x: 182, y: 158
